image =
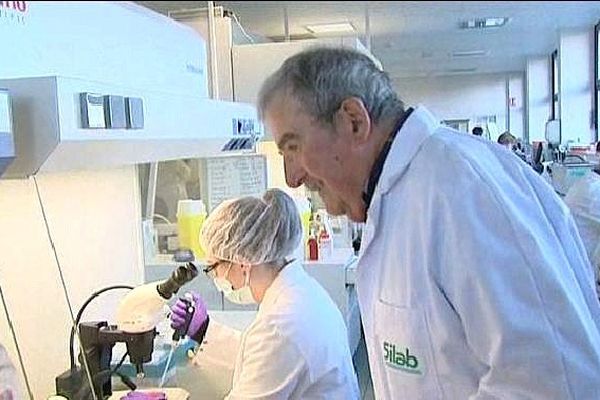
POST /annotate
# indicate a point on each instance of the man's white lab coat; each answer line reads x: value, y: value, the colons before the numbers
x: 472, y: 280
x: 296, y: 347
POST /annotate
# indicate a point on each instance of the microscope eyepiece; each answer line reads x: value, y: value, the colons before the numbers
x: 182, y: 275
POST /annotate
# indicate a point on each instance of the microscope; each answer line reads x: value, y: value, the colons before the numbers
x: 137, y: 316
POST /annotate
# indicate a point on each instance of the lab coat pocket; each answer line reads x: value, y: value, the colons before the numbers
x: 404, y: 353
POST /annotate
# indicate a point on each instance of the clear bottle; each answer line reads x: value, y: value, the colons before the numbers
x: 325, y: 235
x: 325, y: 245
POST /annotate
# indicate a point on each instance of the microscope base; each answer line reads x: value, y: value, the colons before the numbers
x: 69, y: 384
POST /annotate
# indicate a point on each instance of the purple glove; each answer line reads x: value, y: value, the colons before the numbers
x: 180, y: 310
x: 145, y: 396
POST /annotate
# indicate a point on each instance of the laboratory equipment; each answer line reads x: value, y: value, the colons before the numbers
x: 47, y: 141
x: 304, y: 209
x: 7, y: 142
x: 169, y: 393
x: 313, y: 249
x: 190, y: 217
x: 179, y: 333
x: 79, y: 114
x: 145, y: 396
x: 552, y: 132
x: 137, y: 316
x: 564, y: 174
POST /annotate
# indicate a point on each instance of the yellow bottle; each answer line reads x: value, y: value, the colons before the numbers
x: 190, y: 217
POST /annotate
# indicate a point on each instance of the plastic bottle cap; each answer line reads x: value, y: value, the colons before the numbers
x: 190, y: 207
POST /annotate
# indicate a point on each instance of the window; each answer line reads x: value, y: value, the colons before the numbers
x: 458, y: 124
x: 555, y: 84
x: 596, y: 77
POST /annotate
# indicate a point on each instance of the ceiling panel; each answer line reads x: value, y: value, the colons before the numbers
x: 411, y: 37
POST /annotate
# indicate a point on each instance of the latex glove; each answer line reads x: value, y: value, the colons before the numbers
x: 145, y: 396
x: 199, y: 319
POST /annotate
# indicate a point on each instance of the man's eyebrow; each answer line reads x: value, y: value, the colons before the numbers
x: 286, y: 138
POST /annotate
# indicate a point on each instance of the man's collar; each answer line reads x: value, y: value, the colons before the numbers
x: 380, y: 161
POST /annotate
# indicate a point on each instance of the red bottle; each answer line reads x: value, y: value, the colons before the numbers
x: 313, y: 249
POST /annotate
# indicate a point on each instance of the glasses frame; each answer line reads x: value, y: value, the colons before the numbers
x: 209, y: 269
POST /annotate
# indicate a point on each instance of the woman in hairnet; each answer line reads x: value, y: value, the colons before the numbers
x: 297, y: 345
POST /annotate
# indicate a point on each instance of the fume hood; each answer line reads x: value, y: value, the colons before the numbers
x: 65, y: 124
x: 103, y: 84
x: 7, y: 143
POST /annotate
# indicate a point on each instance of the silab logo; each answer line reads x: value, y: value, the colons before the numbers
x: 401, y: 360
x: 19, y: 6
x: 13, y: 11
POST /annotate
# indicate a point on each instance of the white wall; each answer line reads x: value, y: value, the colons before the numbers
x: 576, y: 86
x: 472, y: 97
x: 275, y: 168
x: 538, y: 97
x: 94, y: 219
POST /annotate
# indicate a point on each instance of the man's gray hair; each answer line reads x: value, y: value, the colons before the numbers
x: 321, y: 78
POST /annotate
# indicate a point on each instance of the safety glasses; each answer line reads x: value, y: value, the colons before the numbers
x: 211, y: 269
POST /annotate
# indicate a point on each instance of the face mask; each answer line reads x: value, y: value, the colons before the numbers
x: 242, y: 295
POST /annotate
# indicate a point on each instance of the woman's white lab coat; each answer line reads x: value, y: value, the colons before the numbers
x: 296, y: 347
x: 472, y: 281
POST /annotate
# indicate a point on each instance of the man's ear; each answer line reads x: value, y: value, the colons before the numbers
x: 353, y: 119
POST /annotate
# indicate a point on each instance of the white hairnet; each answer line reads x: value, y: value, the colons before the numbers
x: 253, y: 231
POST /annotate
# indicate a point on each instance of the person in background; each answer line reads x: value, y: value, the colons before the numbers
x: 513, y: 144
x: 297, y: 346
x: 472, y: 280
x: 171, y: 187
x: 8, y: 377
x: 507, y: 139
x: 477, y: 131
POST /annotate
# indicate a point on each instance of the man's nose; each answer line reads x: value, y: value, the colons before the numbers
x: 294, y: 173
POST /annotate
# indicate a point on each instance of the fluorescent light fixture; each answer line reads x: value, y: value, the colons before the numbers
x: 458, y: 71
x: 484, y: 23
x: 469, y: 53
x: 337, y: 27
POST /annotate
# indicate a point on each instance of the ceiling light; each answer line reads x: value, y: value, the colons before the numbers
x: 338, y: 27
x: 469, y: 53
x: 484, y: 23
x: 458, y: 71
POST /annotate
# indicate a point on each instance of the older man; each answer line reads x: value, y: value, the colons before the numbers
x: 472, y: 280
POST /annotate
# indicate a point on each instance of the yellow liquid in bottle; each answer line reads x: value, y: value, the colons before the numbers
x: 188, y: 229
